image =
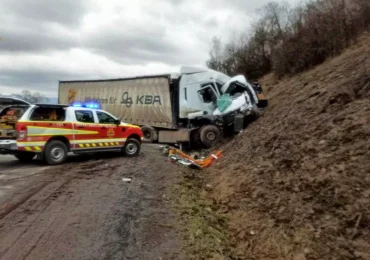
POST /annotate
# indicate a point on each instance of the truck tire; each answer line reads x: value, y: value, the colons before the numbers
x: 55, y: 153
x: 257, y: 112
x: 150, y: 134
x: 131, y: 148
x: 210, y: 135
x: 25, y: 156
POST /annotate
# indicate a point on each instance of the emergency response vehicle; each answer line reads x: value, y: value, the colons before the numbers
x: 50, y: 132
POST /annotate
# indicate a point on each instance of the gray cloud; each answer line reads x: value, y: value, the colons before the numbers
x: 28, y: 40
x: 139, y: 47
x: 34, y: 79
x: 66, y: 12
x: 167, y: 33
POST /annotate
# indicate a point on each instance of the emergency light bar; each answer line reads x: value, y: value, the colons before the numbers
x: 88, y: 105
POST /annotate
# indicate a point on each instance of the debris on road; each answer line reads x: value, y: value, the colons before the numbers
x: 178, y: 156
x: 127, y: 180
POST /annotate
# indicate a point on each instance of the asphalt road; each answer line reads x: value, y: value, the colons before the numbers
x: 86, y: 209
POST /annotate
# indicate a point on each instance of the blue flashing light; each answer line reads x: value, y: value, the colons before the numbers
x: 93, y: 105
x: 76, y: 105
x: 89, y: 105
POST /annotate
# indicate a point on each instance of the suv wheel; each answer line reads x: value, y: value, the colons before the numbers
x: 56, y: 152
x: 132, y: 147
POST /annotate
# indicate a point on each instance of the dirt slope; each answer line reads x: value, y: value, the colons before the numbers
x: 296, y: 183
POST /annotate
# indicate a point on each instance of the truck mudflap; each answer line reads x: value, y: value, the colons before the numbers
x: 8, y: 147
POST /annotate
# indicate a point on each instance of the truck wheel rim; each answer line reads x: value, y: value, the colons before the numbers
x: 57, y: 153
x: 211, y: 136
x: 147, y: 134
x: 131, y: 148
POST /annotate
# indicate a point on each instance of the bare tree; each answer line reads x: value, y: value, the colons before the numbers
x: 290, y: 40
x: 31, y: 97
x: 216, y: 58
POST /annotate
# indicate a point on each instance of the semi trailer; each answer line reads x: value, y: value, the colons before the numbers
x: 195, y: 105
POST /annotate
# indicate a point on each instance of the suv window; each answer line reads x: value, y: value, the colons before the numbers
x: 48, y: 114
x: 84, y: 116
x: 105, y: 118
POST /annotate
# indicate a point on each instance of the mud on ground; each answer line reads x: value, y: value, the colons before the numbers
x: 84, y: 210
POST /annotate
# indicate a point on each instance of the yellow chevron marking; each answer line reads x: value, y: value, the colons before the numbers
x: 81, y: 145
x: 87, y: 145
x: 28, y: 148
x: 100, y: 144
x: 117, y: 143
x: 112, y: 143
x: 37, y: 148
x: 106, y: 144
x: 93, y: 145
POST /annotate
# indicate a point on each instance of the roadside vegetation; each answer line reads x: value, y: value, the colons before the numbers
x: 288, y: 40
x: 256, y: 205
x: 205, y: 230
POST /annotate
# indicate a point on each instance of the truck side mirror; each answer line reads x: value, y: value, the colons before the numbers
x: 117, y: 122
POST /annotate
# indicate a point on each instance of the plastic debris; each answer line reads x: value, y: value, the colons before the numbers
x: 126, y: 179
x: 178, y: 156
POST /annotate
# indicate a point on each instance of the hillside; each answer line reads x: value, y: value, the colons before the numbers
x: 296, y: 183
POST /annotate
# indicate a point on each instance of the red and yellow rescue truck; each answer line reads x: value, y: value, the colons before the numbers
x: 50, y: 132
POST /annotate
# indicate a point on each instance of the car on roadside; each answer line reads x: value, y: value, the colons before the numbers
x: 49, y: 132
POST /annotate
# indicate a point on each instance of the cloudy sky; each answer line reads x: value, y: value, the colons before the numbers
x: 43, y: 41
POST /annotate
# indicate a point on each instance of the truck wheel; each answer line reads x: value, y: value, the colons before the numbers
x: 25, y: 156
x: 132, y: 147
x: 257, y: 111
x: 210, y: 135
x: 150, y: 134
x: 56, y: 152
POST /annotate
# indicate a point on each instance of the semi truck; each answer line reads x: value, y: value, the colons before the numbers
x: 192, y: 106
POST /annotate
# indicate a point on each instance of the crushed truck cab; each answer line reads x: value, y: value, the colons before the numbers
x: 50, y: 132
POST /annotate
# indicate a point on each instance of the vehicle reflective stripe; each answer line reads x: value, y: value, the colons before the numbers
x: 129, y: 125
x: 96, y: 145
x: 98, y: 140
x: 24, y: 144
x: 32, y: 148
x: 45, y: 131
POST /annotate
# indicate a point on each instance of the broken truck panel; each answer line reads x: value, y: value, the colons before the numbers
x: 199, y: 90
